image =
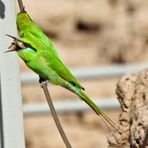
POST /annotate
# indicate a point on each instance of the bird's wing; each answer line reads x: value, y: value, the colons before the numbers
x: 49, y: 52
x: 58, y: 66
x: 38, y: 40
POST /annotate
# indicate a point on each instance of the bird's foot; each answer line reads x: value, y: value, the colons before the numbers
x: 42, y: 81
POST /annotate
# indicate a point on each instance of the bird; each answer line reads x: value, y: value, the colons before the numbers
x: 40, y: 55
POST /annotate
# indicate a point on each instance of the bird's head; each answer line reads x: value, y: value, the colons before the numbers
x: 23, y: 20
x: 24, y: 50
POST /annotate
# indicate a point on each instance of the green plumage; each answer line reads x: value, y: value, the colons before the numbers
x: 42, y: 58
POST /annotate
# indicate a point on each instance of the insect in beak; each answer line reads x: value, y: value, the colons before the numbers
x: 16, y: 45
x: 12, y: 47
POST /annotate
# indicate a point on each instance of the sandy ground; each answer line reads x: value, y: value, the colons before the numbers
x: 86, y: 33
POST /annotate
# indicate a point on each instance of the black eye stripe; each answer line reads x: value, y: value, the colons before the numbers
x: 28, y: 46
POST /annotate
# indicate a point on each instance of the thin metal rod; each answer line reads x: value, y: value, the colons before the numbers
x: 54, y: 115
x: 21, y: 6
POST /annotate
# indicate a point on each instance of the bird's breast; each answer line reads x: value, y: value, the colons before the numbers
x: 26, y: 54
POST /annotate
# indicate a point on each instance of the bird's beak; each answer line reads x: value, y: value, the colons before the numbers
x: 9, y: 51
x: 13, y: 37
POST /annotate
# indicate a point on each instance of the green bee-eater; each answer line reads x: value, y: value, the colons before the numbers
x: 39, y: 54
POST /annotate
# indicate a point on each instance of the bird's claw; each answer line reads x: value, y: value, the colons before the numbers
x: 43, y: 83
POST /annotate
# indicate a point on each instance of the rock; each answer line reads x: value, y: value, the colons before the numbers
x: 132, y: 92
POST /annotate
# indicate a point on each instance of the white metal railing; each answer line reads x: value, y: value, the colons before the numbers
x: 81, y: 74
x: 69, y: 106
x: 11, y: 116
x: 92, y: 72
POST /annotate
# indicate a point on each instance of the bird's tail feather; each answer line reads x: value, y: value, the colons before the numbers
x: 94, y: 107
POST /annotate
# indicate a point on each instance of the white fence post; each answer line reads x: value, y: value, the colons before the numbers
x: 11, y: 117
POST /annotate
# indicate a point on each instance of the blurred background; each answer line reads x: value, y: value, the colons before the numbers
x: 86, y: 33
